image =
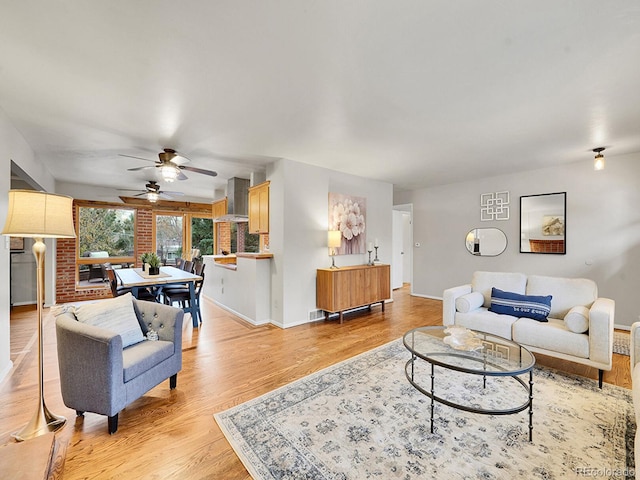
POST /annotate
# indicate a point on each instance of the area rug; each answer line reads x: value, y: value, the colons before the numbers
x: 361, y: 419
x: 621, y: 343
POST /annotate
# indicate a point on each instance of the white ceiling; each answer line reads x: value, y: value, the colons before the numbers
x: 416, y: 93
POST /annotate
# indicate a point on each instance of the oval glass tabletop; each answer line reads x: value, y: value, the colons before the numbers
x: 471, y: 351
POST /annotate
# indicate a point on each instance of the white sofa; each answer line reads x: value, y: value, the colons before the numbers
x: 579, y: 326
x: 634, y: 353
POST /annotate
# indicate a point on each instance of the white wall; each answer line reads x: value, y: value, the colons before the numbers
x: 13, y: 147
x: 602, y: 226
x: 298, y: 224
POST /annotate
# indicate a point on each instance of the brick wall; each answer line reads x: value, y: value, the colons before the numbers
x: 66, y: 261
x: 224, y: 237
x: 66, y: 273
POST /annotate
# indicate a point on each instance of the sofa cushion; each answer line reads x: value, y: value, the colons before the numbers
x: 483, y: 282
x: 469, y: 302
x: 577, y: 320
x: 530, y: 306
x: 566, y: 292
x: 142, y: 356
x: 483, y: 320
x: 553, y: 336
x: 114, y: 314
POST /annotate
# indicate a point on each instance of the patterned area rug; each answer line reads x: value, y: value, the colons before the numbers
x: 361, y: 419
x: 621, y: 343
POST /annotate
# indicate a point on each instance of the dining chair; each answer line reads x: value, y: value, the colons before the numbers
x: 183, y: 295
x: 117, y: 290
x: 179, y: 263
x: 187, y: 266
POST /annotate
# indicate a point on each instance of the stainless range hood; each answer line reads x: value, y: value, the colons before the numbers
x: 237, y: 201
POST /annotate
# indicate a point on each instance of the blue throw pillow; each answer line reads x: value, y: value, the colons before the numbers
x: 537, y: 307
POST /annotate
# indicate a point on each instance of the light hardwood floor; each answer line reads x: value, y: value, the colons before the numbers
x: 172, y: 434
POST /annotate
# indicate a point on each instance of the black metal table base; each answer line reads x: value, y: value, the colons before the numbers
x: 409, y: 372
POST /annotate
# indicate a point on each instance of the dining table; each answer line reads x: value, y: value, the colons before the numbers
x: 136, y: 279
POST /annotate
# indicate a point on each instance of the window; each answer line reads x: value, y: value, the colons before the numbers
x: 169, y: 238
x: 202, y: 235
x: 240, y: 240
x: 105, y: 235
x: 177, y: 233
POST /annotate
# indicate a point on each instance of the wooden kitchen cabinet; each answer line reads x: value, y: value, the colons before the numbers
x: 346, y: 288
x: 219, y: 208
x: 259, y: 208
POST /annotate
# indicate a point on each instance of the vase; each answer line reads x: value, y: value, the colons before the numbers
x: 154, y: 270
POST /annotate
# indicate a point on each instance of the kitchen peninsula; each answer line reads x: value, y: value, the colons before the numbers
x: 243, y: 288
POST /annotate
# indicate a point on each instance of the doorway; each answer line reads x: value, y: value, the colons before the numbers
x: 402, y: 245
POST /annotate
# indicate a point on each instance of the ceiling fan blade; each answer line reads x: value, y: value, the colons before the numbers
x: 181, y: 176
x: 165, y: 196
x: 175, y: 194
x: 129, y: 190
x: 138, y: 158
x: 141, y: 194
x: 211, y: 173
x: 140, y: 168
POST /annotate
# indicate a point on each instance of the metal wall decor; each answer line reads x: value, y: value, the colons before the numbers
x: 494, y: 206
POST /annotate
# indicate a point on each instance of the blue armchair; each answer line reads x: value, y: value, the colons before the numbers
x: 98, y: 375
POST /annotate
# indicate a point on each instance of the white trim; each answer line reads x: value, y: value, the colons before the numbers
x: 425, y: 296
x: 243, y: 317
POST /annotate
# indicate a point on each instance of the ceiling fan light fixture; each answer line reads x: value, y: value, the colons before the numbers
x: 152, y: 197
x: 598, y: 161
x: 169, y: 173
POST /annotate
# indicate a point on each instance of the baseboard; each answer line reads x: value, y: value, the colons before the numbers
x: 622, y: 327
x: 243, y: 317
x: 425, y: 296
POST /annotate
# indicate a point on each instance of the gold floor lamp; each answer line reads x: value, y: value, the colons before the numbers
x: 39, y: 215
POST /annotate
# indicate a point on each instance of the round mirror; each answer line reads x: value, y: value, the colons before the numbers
x: 486, y: 242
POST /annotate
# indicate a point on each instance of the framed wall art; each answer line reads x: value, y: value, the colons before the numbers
x: 347, y: 213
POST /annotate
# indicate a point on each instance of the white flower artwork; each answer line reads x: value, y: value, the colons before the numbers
x: 348, y: 214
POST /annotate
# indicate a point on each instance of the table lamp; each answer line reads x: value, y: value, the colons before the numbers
x: 39, y: 215
x: 334, y: 241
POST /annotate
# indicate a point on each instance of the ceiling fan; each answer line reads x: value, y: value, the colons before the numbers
x: 171, y: 164
x: 153, y: 192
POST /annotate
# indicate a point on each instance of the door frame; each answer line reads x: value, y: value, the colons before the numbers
x: 408, y: 252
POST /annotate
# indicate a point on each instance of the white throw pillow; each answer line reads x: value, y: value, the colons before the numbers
x: 469, y: 302
x: 577, y: 320
x: 115, y: 314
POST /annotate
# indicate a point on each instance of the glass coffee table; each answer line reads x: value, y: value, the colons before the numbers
x: 478, y: 354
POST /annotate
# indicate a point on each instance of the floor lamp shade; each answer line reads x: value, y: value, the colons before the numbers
x: 39, y: 215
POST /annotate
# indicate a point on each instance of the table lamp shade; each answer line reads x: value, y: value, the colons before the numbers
x: 334, y: 239
x: 39, y: 215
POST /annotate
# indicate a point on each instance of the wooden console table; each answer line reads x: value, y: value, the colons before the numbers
x: 346, y: 288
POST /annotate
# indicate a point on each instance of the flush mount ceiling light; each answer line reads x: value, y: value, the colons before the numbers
x: 598, y: 161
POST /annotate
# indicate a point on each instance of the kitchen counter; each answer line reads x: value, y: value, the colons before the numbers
x: 256, y: 256
x: 243, y: 289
